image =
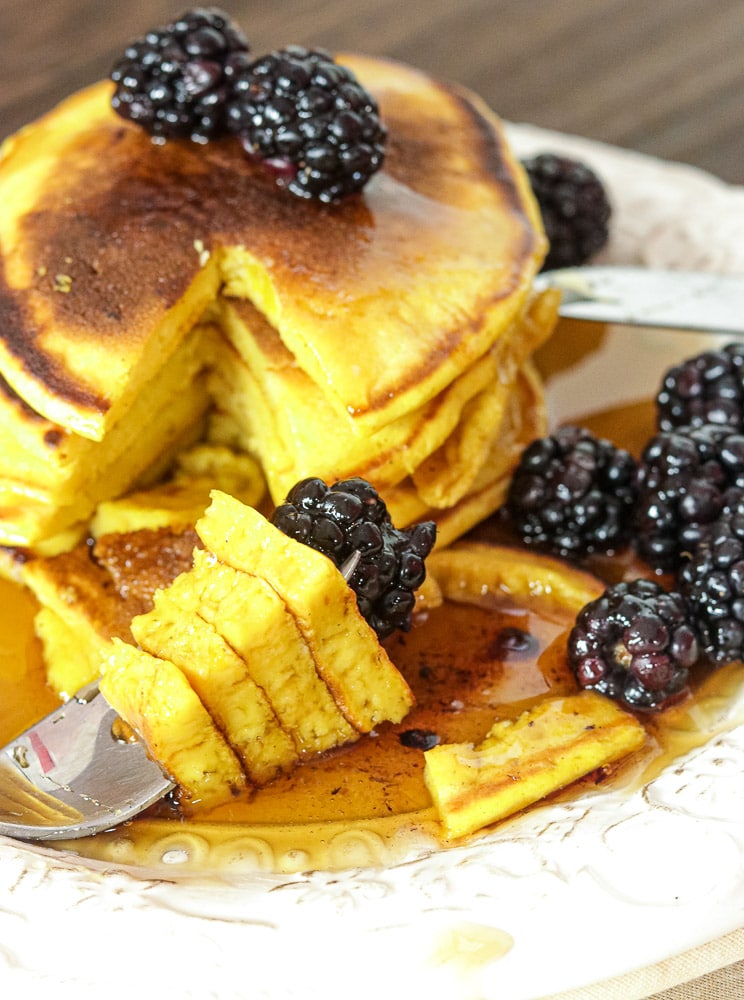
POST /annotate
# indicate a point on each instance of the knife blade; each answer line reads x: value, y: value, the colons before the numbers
x: 638, y: 296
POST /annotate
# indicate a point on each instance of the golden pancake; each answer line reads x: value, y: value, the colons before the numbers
x: 174, y: 630
x: 29, y: 515
x: 112, y: 245
x: 495, y: 425
x: 379, y: 337
x: 280, y: 413
x: 184, y: 496
x: 44, y: 456
x: 96, y: 288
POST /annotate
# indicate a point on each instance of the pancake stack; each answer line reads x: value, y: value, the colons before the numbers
x: 154, y: 295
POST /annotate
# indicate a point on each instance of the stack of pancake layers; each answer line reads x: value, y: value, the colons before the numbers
x: 156, y: 295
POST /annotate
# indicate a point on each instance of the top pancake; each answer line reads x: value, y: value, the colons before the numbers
x: 112, y: 245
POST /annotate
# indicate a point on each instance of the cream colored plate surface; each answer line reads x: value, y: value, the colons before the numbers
x: 565, y: 896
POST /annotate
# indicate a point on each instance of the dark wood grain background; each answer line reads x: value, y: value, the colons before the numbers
x: 662, y: 76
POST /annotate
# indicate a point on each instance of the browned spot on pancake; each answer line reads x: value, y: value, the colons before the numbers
x: 135, y: 212
x: 493, y: 151
x: 114, y: 579
x: 54, y: 437
x: 122, y: 227
x: 21, y: 337
x: 140, y: 562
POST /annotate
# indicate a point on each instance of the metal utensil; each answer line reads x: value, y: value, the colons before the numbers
x: 637, y: 296
x: 76, y: 772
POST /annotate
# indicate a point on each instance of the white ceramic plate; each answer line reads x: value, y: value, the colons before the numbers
x: 567, y: 895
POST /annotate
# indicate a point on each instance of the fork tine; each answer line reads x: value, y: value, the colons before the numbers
x: 22, y: 802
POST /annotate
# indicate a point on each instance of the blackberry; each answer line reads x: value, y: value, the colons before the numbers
x: 573, y: 494
x: 683, y: 477
x: 706, y: 389
x: 349, y: 517
x: 635, y: 645
x: 309, y: 121
x: 574, y: 207
x: 712, y: 581
x: 175, y: 81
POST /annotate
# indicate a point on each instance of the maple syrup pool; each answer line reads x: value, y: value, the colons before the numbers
x: 467, y: 665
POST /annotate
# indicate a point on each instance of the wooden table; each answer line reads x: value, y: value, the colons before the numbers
x: 664, y: 77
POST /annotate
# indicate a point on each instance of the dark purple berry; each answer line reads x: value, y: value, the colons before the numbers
x: 175, y: 81
x: 574, y: 207
x: 706, y: 389
x: 634, y: 644
x: 309, y: 121
x: 573, y: 494
x: 350, y: 517
x: 683, y: 477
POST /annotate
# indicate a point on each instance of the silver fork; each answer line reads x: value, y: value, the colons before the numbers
x: 78, y: 771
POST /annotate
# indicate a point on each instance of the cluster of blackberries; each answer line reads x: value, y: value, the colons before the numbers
x: 682, y: 507
x: 349, y: 522
x: 297, y: 111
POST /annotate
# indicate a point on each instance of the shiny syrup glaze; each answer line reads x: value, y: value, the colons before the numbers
x: 467, y: 665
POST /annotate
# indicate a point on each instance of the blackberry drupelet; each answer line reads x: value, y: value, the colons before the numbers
x: 349, y: 517
x: 706, y: 389
x: 573, y: 494
x: 175, y: 81
x: 574, y: 206
x: 310, y: 122
x: 712, y: 581
x: 683, y: 476
x: 635, y: 645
